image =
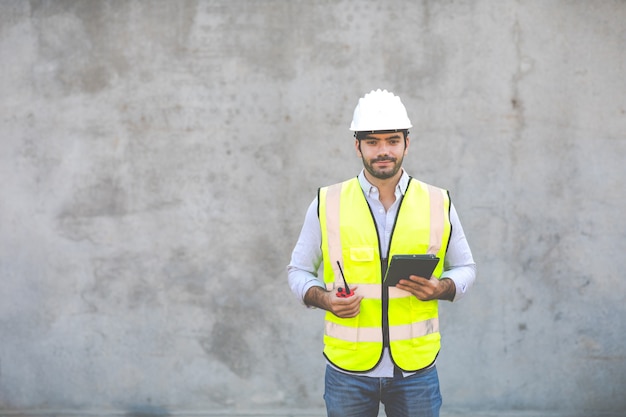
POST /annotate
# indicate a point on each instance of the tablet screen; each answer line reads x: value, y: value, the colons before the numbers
x: 402, y: 266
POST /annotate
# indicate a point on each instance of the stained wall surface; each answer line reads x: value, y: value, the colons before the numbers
x: 157, y: 158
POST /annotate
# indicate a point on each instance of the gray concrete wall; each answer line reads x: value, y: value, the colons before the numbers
x: 157, y: 158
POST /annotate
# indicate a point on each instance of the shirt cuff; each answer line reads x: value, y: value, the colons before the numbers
x: 463, y: 278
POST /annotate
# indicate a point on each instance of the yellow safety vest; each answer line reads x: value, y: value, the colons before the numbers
x: 349, y: 235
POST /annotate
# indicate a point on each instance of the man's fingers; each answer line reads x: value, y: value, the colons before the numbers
x: 347, y: 307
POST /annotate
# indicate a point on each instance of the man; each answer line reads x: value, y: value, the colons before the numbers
x: 380, y: 341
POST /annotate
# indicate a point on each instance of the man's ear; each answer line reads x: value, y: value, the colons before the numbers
x: 357, y: 146
x: 407, y: 142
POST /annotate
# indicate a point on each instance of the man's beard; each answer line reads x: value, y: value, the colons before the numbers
x: 385, y: 173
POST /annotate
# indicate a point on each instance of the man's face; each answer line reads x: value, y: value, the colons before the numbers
x: 382, y: 153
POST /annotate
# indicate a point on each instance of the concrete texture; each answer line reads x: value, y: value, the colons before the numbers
x: 158, y: 156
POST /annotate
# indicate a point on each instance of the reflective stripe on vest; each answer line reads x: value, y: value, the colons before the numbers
x: 374, y: 334
x: 350, y: 237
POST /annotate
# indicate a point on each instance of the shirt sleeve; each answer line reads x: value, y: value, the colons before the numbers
x: 303, y: 269
x: 459, y: 264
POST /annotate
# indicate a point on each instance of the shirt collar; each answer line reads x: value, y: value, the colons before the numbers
x: 369, y: 189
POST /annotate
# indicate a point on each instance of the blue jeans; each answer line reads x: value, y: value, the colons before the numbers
x: 359, y: 396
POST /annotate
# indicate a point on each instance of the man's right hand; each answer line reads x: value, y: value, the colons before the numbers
x: 329, y: 301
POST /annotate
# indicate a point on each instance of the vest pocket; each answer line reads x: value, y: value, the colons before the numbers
x: 362, y: 261
x: 421, y: 310
x: 364, y: 254
x: 425, y: 324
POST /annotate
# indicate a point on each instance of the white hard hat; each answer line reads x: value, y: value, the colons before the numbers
x: 379, y: 110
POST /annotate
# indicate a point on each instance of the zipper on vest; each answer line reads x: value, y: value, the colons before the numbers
x: 385, y: 303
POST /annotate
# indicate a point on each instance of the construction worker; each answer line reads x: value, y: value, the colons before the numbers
x: 380, y: 342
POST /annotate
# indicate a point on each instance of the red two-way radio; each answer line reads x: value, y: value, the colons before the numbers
x: 340, y: 291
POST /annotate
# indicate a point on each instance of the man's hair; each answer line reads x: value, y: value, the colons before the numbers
x: 363, y: 134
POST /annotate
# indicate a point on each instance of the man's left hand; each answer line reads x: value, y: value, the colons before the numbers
x: 428, y: 289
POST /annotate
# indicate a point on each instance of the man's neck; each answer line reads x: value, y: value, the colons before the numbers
x: 386, y: 187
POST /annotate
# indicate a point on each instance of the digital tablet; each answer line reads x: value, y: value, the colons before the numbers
x: 402, y: 266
